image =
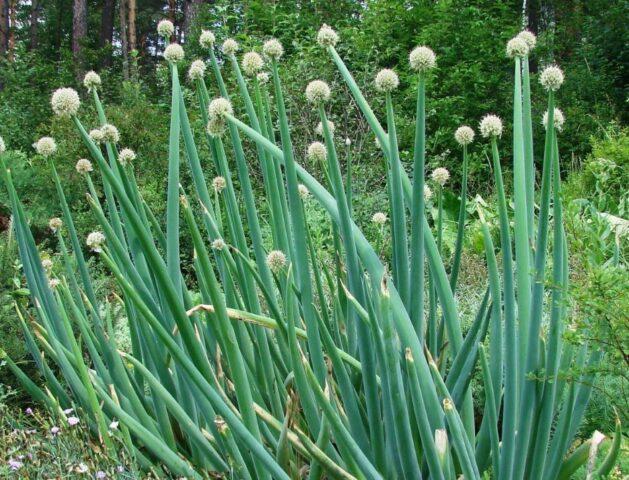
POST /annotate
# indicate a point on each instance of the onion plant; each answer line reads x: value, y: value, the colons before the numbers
x: 266, y: 361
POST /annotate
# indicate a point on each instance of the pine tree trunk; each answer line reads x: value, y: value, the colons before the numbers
x: 124, y: 38
x: 79, y: 31
x: 190, y: 11
x: 4, y: 27
x: 107, y: 29
x: 35, y: 10
x: 133, y: 38
x: 11, y: 30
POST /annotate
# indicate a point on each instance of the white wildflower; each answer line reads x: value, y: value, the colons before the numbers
x: 84, y: 166
x: 273, y: 49
x: 263, y: 77
x: 126, y: 156
x: 174, y: 53
x: 276, y: 260
x: 65, y: 102
x: 529, y: 37
x: 207, y: 39
x: 319, y: 128
x: 317, y: 152
x: 219, y: 107
x: 54, y: 283
x: 230, y: 47
x: 422, y: 59
x: 95, y: 241
x: 464, y: 135
x: 218, y: 244
x: 252, y: 63
x: 440, y: 175
x: 219, y: 184
x: 427, y: 193
x: 55, y: 223
x: 216, y: 127
x: 110, y: 133
x: 92, y: 80
x: 317, y: 92
x: 303, y: 191
x: 165, y: 28
x: 327, y: 36
x: 46, y: 263
x: 551, y: 78
x: 196, y: 70
x: 387, y: 80
x: 517, y: 47
x: 96, y: 135
x: 46, y: 146
x: 379, y: 218
x: 558, y: 119
x: 490, y: 126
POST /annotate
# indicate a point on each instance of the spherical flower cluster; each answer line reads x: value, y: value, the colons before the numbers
x: 440, y: 175
x: 327, y: 37
x: 65, y: 102
x: 54, y: 283
x: 427, y: 193
x: 46, y: 263
x: 273, y: 49
x: 196, y: 70
x: 91, y: 80
x: 517, y: 47
x: 96, y: 135
x: 230, y: 47
x: 3, y: 147
x: 95, y: 241
x: 219, y: 107
x: 317, y: 152
x: 55, y: 223
x: 174, y: 53
x: 422, y: 59
x: 379, y: 218
x: 551, y: 78
x: 490, y: 126
x: 165, y: 28
x: 387, y: 80
x: 83, y: 166
x: 319, y: 128
x: 317, y: 92
x: 252, y: 63
x: 464, y: 135
x: 216, y: 127
x: 529, y: 37
x: 218, y: 244
x: 263, y: 77
x: 110, y: 133
x: 558, y: 119
x: 276, y: 260
x: 303, y: 191
x: 207, y: 39
x: 46, y: 146
x: 219, y: 184
x: 126, y: 156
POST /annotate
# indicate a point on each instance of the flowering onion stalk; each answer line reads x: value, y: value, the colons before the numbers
x: 266, y: 362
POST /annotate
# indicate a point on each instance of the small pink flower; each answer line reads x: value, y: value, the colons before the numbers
x: 73, y: 421
x: 15, y: 464
x: 29, y: 411
x: 55, y: 430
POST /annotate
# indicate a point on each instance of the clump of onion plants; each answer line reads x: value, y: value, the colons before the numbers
x: 266, y: 362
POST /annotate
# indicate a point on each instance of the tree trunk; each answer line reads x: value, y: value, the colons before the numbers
x: 11, y: 31
x: 79, y: 31
x: 35, y: 10
x: 4, y: 27
x: 190, y: 11
x: 107, y: 29
x: 133, y: 38
x: 124, y: 39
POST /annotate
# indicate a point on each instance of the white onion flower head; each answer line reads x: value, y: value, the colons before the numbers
x: 165, y: 28
x: 422, y: 59
x: 3, y: 147
x: 317, y: 152
x: 490, y: 126
x: 84, y: 166
x: 252, y: 63
x: 95, y: 241
x: 276, y: 260
x: 91, y: 80
x: 55, y: 223
x: 46, y: 263
x: 263, y: 77
x: 273, y: 49
x: 218, y: 244
x: 558, y: 119
x: 219, y: 107
x: 216, y: 127
x: 46, y: 146
x: 196, y: 70
x: 517, y: 47
x: 110, y: 133
x: 319, y: 128
x: 174, y: 53
x: 464, y: 135
x: 551, y: 78
x: 327, y: 37
x: 529, y: 37
x: 230, y: 47
x: 304, y: 193
x: 379, y: 218
x: 440, y: 175
x: 387, y: 80
x: 219, y: 184
x: 348, y: 142
x: 207, y: 39
x: 317, y: 92
x: 96, y: 135
x: 65, y: 102
x: 54, y: 283
x: 427, y: 193
x: 126, y: 156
